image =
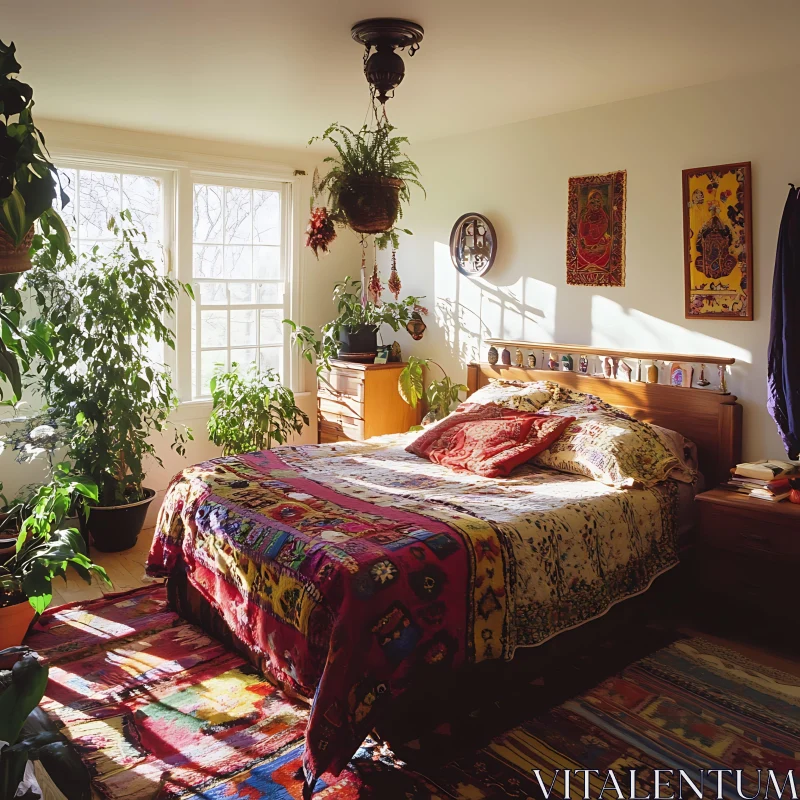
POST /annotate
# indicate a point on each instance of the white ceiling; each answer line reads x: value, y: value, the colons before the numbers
x: 275, y: 72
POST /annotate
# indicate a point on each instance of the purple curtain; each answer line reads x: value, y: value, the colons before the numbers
x: 783, y: 359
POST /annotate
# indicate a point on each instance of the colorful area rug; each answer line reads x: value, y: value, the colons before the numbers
x: 157, y: 709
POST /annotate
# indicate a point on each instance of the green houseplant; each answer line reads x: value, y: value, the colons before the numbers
x: 29, y: 182
x: 252, y: 410
x: 355, y: 329
x: 440, y: 395
x: 368, y: 181
x: 28, y: 735
x: 105, y: 313
x: 44, y: 549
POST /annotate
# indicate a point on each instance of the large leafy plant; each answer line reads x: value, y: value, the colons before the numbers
x: 105, y: 312
x: 29, y: 182
x: 440, y: 395
x: 353, y: 313
x: 252, y: 410
x: 45, y: 549
x: 365, y: 154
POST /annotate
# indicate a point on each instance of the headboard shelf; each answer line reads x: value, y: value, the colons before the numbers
x: 713, y: 421
x: 591, y: 350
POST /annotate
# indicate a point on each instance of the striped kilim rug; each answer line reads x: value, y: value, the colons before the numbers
x: 157, y: 708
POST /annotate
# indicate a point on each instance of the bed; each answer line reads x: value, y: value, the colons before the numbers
x: 352, y: 573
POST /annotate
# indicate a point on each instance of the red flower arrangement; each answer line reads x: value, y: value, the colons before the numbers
x: 320, y: 231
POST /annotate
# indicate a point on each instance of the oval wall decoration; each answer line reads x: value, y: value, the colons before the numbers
x: 473, y: 245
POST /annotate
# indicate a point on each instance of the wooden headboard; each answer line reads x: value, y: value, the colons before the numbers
x: 713, y: 421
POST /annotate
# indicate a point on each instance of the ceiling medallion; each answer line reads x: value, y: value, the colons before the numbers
x: 384, y: 68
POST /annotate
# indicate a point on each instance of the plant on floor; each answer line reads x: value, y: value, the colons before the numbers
x: 45, y: 547
x: 27, y: 735
x: 29, y: 183
x: 355, y: 316
x: 252, y: 410
x: 368, y: 181
x: 105, y: 313
x: 439, y: 395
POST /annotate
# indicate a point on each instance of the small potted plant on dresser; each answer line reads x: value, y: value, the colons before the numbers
x: 440, y: 395
x: 106, y: 312
x: 45, y: 546
x: 252, y: 410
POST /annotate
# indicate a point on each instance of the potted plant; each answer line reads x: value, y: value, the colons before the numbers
x: 368, y: 181
x: 44, y: 549
x: 355, y: 329
x: 29, y: 182
x: 26, y: 733
x: 105, y: 314
x: 439, y: 395
x: 252, y: 411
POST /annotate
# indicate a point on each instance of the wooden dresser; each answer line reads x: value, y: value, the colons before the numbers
x: 748, y: 560
x: 357, y: 401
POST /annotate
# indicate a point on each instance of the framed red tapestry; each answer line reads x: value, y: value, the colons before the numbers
x: 596, y: 230
x: 718, y: 242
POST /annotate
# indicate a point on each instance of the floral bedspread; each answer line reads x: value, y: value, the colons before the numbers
x: 353, y: 569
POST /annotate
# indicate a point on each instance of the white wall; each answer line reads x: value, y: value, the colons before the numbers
x: 517, y: 175
x: 315, y: 278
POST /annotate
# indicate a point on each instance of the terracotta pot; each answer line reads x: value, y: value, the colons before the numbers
x: 371, y: 205
x: 15, y: 258
x: 14, y: 623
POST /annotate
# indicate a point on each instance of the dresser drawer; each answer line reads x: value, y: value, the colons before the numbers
x: 338, y: 427
x: 338, y: 383
x: 744, y: 532
x: 328, y: 403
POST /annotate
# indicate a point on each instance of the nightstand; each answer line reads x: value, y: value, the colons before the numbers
x: 748, y: 559
x: 357, y: 401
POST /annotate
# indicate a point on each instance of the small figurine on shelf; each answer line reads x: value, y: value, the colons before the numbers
x: 652, y: 373
x: 492, y: 356
x: 583, y: 365
x: 625, y: 369
x: 531, y: 361
x: 566, y: 363
x: 614, y: 367
x: 639, y: 378
x: 607, y: 366
x: 680, y: 375
x: 723, y: 386
x: 395, y: 353
x: 551, y: 362
x: 505, y: 357
x: 518, y: 358
x: 702, y: 380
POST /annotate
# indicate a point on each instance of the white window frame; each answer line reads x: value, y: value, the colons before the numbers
x: 180, y: 171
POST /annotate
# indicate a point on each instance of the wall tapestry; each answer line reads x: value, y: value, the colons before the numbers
x: 596, y: 230
x: 718, y: 242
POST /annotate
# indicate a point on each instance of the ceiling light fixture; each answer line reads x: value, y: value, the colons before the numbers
x: 384, y: 68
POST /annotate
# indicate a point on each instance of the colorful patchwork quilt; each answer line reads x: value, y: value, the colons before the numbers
x: 355, y: 569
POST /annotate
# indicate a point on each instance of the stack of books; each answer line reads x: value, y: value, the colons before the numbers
x: 765, y: 480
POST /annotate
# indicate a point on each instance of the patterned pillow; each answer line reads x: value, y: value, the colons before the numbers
x: 487, y: 439
x: 514, y: 394
x: 607, y: 444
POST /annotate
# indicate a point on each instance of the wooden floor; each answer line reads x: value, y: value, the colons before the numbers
x: 126, y: 571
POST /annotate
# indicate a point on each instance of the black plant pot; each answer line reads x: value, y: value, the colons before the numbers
x: 358, y: 344
x: 116, y: 528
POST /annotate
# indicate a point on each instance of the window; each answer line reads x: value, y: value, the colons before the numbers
x: 238, y: 272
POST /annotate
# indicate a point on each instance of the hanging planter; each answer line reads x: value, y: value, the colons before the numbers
x: 15, y: 257
x: 371, y: 204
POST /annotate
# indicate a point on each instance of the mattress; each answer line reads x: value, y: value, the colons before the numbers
x: 354, y: 570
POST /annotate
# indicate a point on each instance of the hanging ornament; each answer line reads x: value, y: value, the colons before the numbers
x: 394, y: 279
x: 416, y: 326
x: 363, y: 272
x: 375, y: 286
x: 320, y: 231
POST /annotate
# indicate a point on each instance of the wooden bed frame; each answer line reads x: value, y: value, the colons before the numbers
x: 713, y: 421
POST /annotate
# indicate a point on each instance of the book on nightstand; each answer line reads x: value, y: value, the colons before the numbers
x: 764, y: 480
x: 766, y: 470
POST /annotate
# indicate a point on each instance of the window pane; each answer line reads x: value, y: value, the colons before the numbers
x: 270, y: 293
x: 267, y: 263
x: 238, y: 261
x: 214, y: 328
x: 271, y: 358
x: 243, y: 358
x: 141, y: 195
x: 267, y: 217
x: 207, y: 261
x: 241, y: 293
x: 207, y: 213
x: 238, y: 216
x: 99, y: 201
x: 272, y: 327
x: 210, y: 361
x: 243, y: 327
x: 213, y: 294
x: 69, y: 183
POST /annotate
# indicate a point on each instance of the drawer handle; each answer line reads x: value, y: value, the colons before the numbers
x: 755, y: 537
